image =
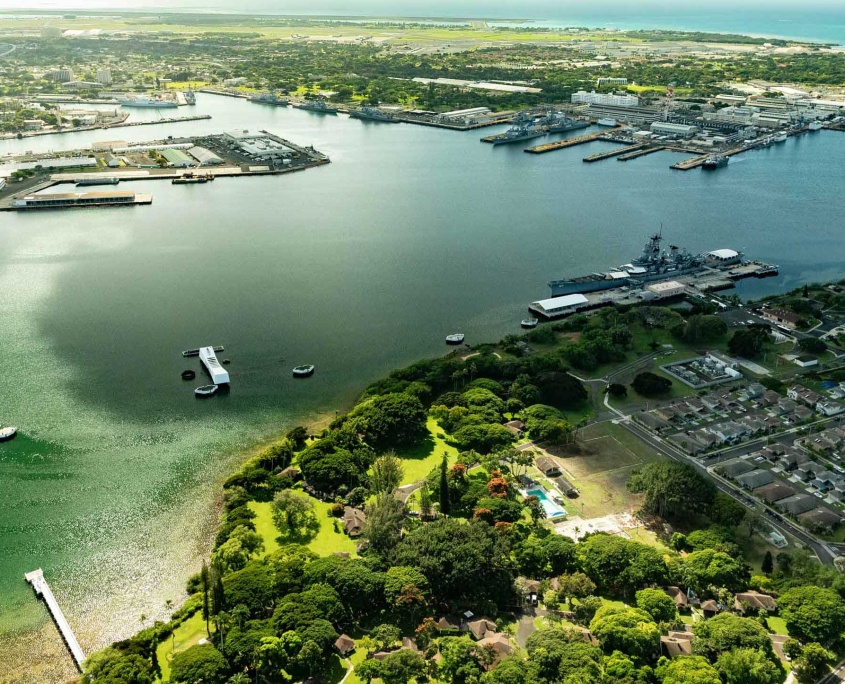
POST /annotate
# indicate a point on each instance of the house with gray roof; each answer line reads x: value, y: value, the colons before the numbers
x: 755, y: 478
x: 735, y: 467
x: 798, y: 504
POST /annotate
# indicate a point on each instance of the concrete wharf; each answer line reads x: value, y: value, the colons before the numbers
x: 42, y: 589
x: 567, y: 142
x: 642, y: 152
x: 607, y: 154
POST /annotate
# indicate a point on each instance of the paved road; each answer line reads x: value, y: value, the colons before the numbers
x: 835, y: 677
x: 823, y: 551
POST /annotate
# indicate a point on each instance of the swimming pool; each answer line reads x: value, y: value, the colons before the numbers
x: 552, y: 509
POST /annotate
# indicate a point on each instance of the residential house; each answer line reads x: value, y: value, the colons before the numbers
x: 829, y: 408
x: 770, y: 398
x: 775, y: 491
x: 498, y: 643
x: 755, y: 478
x: 517, y: 427
x: 755, y: 390
x: 481, y: 628
x: 679, y: 597
x: 687, y: 443
x: 674, y: 646
x: 652, y: 421
x: 353, y: 521
x: 710, y: 608
x: 548, y: 466
x: 344, y: 644
x: 820, y: 519
x: 754, y: 601
x: 806, y: 396
x: 798, y: 504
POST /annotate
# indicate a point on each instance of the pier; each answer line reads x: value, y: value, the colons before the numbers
x: 42, y: 589
x: 607, y: 154
x: 642, y: 152
x: 566, y: 142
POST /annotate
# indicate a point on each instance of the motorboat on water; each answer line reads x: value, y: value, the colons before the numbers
x: 206, y: 390
x: 455, y: 338
x: 303, y: 371
x: 7, y: 433
x: 529, y: 322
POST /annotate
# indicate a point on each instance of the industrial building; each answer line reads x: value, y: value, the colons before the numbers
x: 609, y: 80
x: 559, y: 306
x: 204, y: 157
x: 667, y: 289
x: 583, y: 97
x: 679, y: 130
x: 258, y: 146
x: 177, y: 158
x: 104, y: 76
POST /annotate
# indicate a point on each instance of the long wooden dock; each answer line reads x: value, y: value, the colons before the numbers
x: 566, y: 142
x: 42, y: 589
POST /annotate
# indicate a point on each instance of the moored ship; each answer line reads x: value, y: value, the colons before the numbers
x: 318, y: 106
x: 558, y: 122
x: 372, y: 114
x: 715, y: 161
x: 144, y: 102
x: 653, y: 264
x: 270, y: 99
x: 517, y: 133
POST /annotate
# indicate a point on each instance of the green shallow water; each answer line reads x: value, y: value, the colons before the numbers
x: 360, y: 266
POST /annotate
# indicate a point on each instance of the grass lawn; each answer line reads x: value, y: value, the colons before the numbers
x: 422, y: 459
x: 186, y: 635
x: 599, y: 464
x: 777, y: 625
x: 324, y: 543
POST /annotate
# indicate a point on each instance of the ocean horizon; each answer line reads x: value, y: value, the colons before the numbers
x: 818, y: 22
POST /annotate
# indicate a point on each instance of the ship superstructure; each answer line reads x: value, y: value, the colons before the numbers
x: 654, y: 263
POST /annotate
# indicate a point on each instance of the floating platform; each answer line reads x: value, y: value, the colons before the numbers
x: 42, y: 589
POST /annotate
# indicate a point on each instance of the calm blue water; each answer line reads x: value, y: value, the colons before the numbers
x: 821, y: 20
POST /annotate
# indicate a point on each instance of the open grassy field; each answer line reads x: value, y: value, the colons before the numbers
x: 425, y: 457
x: 325, y: 542
x: 599, y: 464
x: 186, y: 635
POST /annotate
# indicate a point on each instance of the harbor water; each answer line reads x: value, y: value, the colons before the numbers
x: 360, y: 266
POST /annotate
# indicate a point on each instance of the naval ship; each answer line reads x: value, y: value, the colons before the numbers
x: 319, y: 106
x: 371, y: 114
x: 653, y: 264
x: 269, y: 99
x: 558, y: 122
x: 144, y: 102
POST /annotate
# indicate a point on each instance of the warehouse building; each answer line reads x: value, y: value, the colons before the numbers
x: 204, y: 157
x: 559, y: 306
x: 680, y: 130
x: 177, y: 158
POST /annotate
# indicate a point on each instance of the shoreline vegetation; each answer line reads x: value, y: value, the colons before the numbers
x: 350, y: 551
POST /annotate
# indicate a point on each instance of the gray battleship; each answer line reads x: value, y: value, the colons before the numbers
x: 715, y: 161
x: 372, y: 114
x: 653, y: 264
x: 319, y: 106
x: 270, y: 99
x: 558, y: 122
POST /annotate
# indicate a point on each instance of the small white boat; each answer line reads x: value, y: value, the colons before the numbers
x: 780, y: 137
x: 456, y: 338
x: 529, y: 322
x: 815, y: 126
x: 206, y: 390
x: 303, y: 371
x: 6, y: 433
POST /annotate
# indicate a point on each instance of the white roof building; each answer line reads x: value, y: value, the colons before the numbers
x: 722, y: 255
x: 559, y: 306
x: 669, y: 288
